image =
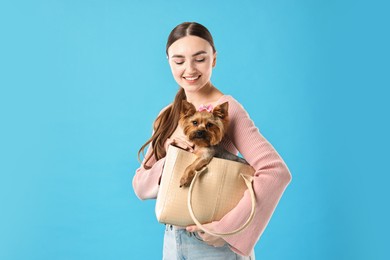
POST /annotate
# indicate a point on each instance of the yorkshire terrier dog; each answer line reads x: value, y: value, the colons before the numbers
x: 206, y: 128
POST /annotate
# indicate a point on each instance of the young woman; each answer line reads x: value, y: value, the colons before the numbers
x: 192, y: 56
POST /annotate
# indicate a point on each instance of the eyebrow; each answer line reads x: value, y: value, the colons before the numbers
x: 193, y: 55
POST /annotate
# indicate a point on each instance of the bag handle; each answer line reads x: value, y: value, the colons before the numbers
x: 248, y: 181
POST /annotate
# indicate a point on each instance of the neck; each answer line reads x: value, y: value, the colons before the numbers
x: 205, y: 96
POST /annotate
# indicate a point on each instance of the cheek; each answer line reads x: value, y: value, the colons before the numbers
x: 216, y: 136
x: 206, y: 68
x: 176, y: 71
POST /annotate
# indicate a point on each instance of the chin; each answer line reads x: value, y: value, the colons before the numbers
x: 193, y: 87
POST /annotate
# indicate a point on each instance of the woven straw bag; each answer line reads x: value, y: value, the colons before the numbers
x: 214, y: 191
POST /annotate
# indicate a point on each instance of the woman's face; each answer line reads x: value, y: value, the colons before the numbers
x: 191, y: 59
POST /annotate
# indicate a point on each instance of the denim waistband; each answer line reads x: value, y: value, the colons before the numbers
x: 174, y: 227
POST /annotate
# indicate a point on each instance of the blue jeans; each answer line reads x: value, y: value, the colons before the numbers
x: 182, y: 245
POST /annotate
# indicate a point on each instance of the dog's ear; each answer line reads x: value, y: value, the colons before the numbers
x: 221, y: 110
x: 187, y: 109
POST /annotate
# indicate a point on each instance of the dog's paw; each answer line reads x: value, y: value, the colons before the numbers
x: 184, y: 182
x: 187, y: 177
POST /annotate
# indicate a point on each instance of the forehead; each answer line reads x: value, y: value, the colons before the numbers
x: 202, y: 116
x: 189, y: 45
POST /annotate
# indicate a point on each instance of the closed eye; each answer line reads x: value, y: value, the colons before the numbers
x: 178, y: 60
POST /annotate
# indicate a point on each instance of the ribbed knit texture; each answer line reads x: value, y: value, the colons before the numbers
x: 271, y: 178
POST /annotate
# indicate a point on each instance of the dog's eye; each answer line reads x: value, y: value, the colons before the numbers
x: 209, y: 125
x: 195, y: 122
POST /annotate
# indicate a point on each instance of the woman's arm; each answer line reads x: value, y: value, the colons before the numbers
x: 146, y: 181
x: 271, y: 178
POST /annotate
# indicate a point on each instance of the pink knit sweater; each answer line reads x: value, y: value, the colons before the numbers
x: 271, y: 178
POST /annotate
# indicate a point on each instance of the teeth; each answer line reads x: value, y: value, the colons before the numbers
x: 193, y: 78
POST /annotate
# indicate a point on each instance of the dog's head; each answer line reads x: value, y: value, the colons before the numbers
x: 204, y: 127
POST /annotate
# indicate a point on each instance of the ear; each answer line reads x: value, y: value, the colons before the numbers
x: 214, y: 59
x: 221, y: 110
x: 187, y: 109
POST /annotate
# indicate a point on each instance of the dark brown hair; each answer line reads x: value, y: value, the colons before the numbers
x: 166, y: 123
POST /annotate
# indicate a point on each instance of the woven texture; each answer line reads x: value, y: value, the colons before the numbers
x: 217, y: 191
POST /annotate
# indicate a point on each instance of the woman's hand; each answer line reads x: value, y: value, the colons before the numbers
x: 181, y: 143
x: 208, y: 239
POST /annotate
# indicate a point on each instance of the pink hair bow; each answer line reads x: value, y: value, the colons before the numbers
x: 208, y: 108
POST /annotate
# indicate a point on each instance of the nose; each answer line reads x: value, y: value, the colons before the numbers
x: 190, y: 67
x: 200, y: 133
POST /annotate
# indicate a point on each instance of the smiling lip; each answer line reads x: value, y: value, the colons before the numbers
x: 192, y: 78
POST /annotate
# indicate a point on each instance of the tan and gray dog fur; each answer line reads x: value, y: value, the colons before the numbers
x: 206, y: 130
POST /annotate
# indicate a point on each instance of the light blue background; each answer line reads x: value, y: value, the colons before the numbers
x: 82, y: 81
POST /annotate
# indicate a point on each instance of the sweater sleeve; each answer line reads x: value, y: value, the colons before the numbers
x: 146, y: 181
x: 271, y: 178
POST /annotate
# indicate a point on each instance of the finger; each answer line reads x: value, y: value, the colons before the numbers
x: 190, y: 144
x: 178, y: 143
x: 205, y: 237
x: 192, y: 228
x: 219, y: 243
x: 213, y: 241
x: 169, y: 142
x: 183, y: 142
x: 184, y: 145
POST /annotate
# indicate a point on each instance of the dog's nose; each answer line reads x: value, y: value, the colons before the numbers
x: 200, y: 133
